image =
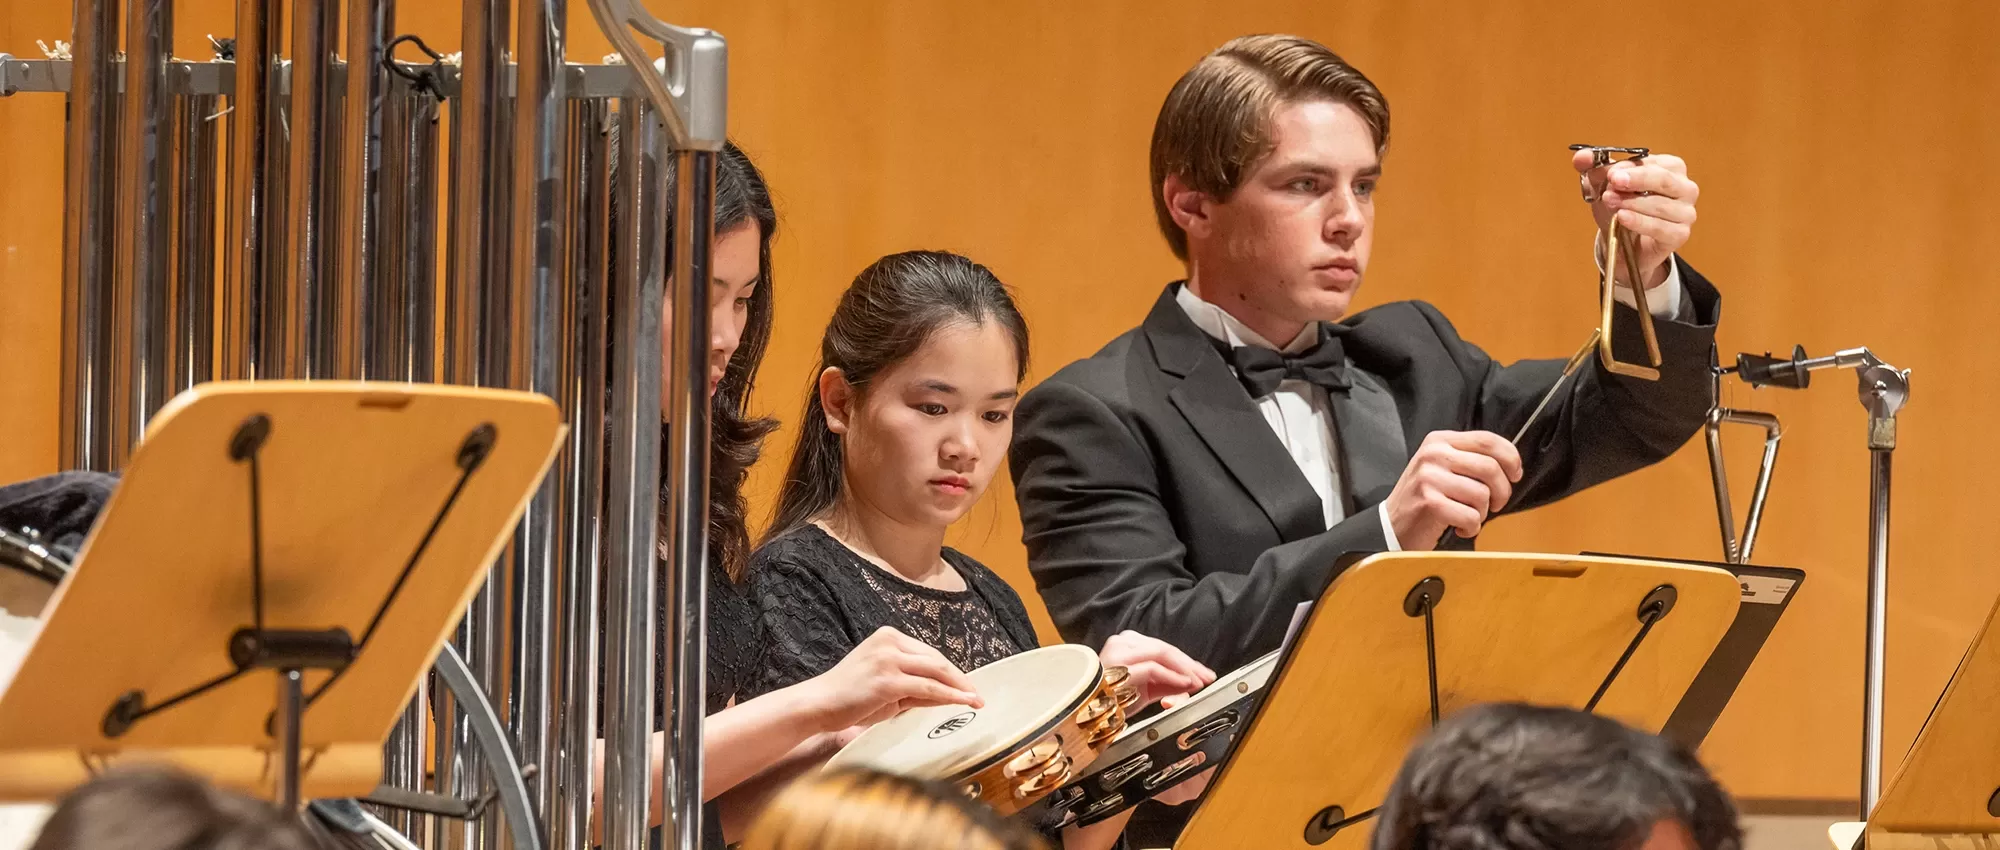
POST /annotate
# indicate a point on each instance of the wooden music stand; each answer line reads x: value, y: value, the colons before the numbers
x: 1946, y: 795
x: 1354, y: 690
x: 376, y: 504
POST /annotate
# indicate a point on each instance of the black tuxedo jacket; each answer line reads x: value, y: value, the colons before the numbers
x: 1155, y: 497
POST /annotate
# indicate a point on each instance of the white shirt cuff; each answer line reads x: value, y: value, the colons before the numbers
x: 1388, y: 531
x: 1664, y: 301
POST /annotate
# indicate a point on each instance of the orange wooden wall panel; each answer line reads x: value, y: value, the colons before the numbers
x: 1846, y: 153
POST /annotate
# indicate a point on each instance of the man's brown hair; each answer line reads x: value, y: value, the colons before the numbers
x: 1216, y: 122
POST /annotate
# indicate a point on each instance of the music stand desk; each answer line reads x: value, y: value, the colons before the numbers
x: 351, y: 477
x: 1946, y: 794
x: 1352, y: 692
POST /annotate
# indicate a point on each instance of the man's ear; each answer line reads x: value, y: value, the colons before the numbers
x: 1189, y: 207
x: 836, y: 398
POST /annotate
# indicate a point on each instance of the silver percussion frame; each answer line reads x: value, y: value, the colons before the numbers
x: 283, y: 211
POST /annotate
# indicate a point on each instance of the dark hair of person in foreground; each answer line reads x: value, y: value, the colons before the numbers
x: 156, y: 809
x: 1522, y: 777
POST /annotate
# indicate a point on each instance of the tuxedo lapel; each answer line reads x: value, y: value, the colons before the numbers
x: 1223, y: 415
x: 1369, y: 433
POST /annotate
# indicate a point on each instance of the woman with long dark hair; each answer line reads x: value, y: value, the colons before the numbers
x: 743, y: 736
x: 906, y: 421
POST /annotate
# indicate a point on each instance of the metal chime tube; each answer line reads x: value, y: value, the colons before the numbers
x: 402, y: 315
x: 249, y: 235
x: 633, y: 459
x: 403, y: 766
x: 401, y: 344
x: 446, y: 754
x: 139, y: 330
x: 568, y: 814
x: 193, y: 281
x: 537, y: 349
x: 386, y: 349
x: 290, y: 319
x: 89, y: 172
x: 687, y: 491
x: 357, y: 288
x: 418, y: 183
x: 476, y: 334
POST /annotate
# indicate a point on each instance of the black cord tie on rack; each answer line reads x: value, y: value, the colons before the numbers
x: 1652, y: 609
x: 427, y: 80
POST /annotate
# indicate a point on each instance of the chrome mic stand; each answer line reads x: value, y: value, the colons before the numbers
x: 1883, y: 390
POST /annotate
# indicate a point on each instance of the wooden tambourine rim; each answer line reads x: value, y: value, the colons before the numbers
x: 1041, y: 733
x: 987, y: 779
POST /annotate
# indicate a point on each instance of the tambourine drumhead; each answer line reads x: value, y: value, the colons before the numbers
x: 1219, y: 694
x: 1025, y: 694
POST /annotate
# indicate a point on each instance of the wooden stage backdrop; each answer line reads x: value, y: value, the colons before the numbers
x: 1846, y: 153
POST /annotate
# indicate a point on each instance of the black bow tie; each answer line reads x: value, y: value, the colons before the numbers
x: 1261, y: 369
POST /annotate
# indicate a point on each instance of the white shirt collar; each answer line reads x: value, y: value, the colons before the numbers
x: 1217, y: 322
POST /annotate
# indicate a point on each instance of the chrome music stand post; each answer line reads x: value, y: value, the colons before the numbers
x: 1883, y: 390
x: 687, y: 91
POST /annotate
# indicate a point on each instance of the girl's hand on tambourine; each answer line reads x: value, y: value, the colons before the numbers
x: 886, y: 674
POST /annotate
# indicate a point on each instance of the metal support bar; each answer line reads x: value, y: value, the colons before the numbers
x: 290, y: 720
x: 582, y: 81
x: 1883, y: 390
x: 512, y: 792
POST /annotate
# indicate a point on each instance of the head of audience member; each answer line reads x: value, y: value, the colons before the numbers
x: 1265, y: 158
x: 1523, y: 777
x: 859, y: 809
x: 153, y: 809
x: 911, y: 409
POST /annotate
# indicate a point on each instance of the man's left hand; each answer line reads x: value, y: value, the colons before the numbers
x: 1653, y: 198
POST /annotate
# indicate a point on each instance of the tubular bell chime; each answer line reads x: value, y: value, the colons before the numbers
x: 278, y: 211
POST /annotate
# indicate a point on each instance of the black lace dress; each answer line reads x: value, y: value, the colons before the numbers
x: 820, y: 600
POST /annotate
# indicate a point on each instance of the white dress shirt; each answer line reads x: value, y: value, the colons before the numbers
x: 1302, y: 417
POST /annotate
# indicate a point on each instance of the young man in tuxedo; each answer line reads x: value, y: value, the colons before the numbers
x: 1198, y: 478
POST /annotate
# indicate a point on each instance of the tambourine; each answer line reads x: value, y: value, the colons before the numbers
x: 1048, y: 714
x: 1159, y: 752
